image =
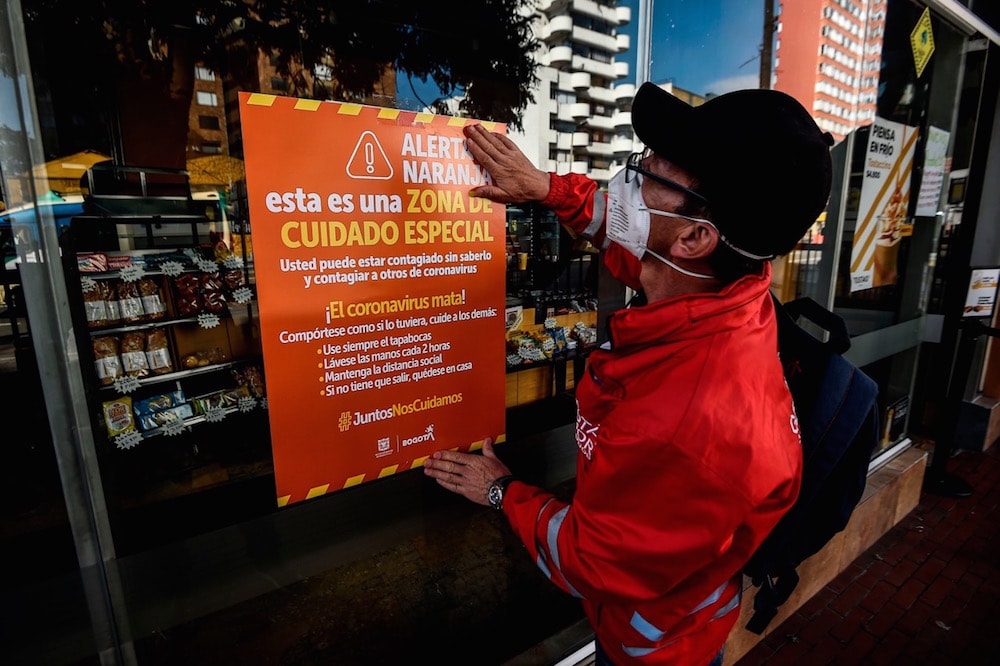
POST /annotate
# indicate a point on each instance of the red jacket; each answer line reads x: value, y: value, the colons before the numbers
x: 689, y: 455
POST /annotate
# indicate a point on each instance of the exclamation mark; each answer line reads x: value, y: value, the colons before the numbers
x: 369, y: 158
x: 463, y: 297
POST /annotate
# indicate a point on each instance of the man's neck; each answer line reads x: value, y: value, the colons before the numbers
x: 660, y: 281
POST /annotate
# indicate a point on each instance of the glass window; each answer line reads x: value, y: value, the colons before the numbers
x: 205, y: 98
x: 184, y: 452
x: 171, y: 359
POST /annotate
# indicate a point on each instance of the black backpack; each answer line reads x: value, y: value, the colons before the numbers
x: 838, y: 423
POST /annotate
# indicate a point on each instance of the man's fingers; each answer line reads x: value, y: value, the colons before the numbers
x: 493, y: 193
x: 487, y: 144
x: 488, y: 448
x: 506, y: 142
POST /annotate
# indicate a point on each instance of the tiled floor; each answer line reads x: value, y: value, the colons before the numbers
x: 928, y: 592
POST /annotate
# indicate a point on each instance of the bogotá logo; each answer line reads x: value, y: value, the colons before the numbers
x: 427, y: 436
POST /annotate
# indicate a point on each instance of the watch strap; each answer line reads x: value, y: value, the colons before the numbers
x: 501, y: 485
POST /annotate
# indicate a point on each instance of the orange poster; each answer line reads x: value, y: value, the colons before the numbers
x: 381, y: 289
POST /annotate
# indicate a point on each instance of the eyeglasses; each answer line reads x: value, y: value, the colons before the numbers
x: 634, y: 165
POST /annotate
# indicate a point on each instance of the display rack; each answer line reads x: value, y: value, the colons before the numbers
x: 551, y: 306
x: 167, y: 327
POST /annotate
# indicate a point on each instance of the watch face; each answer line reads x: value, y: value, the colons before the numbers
x: 495, y: 496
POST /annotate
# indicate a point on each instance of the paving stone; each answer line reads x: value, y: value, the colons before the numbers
x: 927, y: 592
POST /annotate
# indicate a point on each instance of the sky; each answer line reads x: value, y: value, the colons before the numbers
x: 703, y: 46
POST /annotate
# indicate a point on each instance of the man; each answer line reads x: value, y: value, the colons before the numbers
x: 689, y: 448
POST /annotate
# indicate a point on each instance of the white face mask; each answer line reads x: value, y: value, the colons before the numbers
x: 628, y: 218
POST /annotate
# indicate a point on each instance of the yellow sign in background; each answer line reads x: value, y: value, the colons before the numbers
x: 922, y: 42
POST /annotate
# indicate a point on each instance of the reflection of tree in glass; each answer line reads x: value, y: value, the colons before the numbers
x: 140, y: 55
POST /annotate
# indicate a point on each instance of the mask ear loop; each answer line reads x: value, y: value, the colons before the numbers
x: 700, y: 276
x: 678, y: 216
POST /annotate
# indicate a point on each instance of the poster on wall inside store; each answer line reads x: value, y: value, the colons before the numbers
x: 981, y: 297
x: 883, y: 211
x: 381, y: 289
x: 932, y: 177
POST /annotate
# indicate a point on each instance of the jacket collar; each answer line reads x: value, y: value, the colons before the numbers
x: 691, y: 315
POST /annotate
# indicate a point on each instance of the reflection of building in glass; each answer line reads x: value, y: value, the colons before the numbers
x: 207, y: 117
x: 581, y: 121
x: 213, y: 118
x: 828, y: 55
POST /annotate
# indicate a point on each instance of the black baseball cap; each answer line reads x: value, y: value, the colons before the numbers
x: 760, y: 159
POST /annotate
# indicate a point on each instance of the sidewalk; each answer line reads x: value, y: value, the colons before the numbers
x: 928, y: 592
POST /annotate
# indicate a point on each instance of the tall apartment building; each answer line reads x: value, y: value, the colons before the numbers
x: 206, y: 117
x: 831, y: 58
x: 581, y: 120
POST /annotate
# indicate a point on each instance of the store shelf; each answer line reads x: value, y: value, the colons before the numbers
x: 183, y: 374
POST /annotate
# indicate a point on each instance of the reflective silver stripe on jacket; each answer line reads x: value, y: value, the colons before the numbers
x: 600, y: 205
x: 653, y: 634
x: 551, y: 547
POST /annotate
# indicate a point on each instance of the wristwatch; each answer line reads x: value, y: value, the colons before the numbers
x: 496, y: 490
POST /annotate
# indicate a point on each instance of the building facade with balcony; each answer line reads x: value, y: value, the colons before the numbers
x: 581, y: 121
x: 831, y: 58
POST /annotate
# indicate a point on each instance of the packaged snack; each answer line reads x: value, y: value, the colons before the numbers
x: 106, y: 360
x: 95, y: 304
x: 158, y: 352
x: 220, y: 399
x: 162, y: 417
x: 201, y: 358
x: 232, y: 278
x: 188, y: 305
x: 155, y: 261
x: 118, y: 415
x: 212, y: 294
x: 558, y: 334
x: 186, y: 283
x: 221, y: 251
x: 130, y: 302
x: 119, y: 261
x: 252, y: 377
x: 93, y: 262
x: 109, y: 289
x: 133, y: 354
x: 160, y: 402
x: 153, y: 304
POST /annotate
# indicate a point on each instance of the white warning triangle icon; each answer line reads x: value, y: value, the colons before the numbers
x: 369, y: 161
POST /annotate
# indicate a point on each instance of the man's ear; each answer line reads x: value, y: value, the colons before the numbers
x: 697, y: 241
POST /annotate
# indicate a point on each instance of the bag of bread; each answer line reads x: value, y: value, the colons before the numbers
x: 151, y: 295
x: 110, y: 291
x: 130, y: 302
x: 133, y: 353
x: 106, y: 359
x: 158, y: 352
x: 95, y: 303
